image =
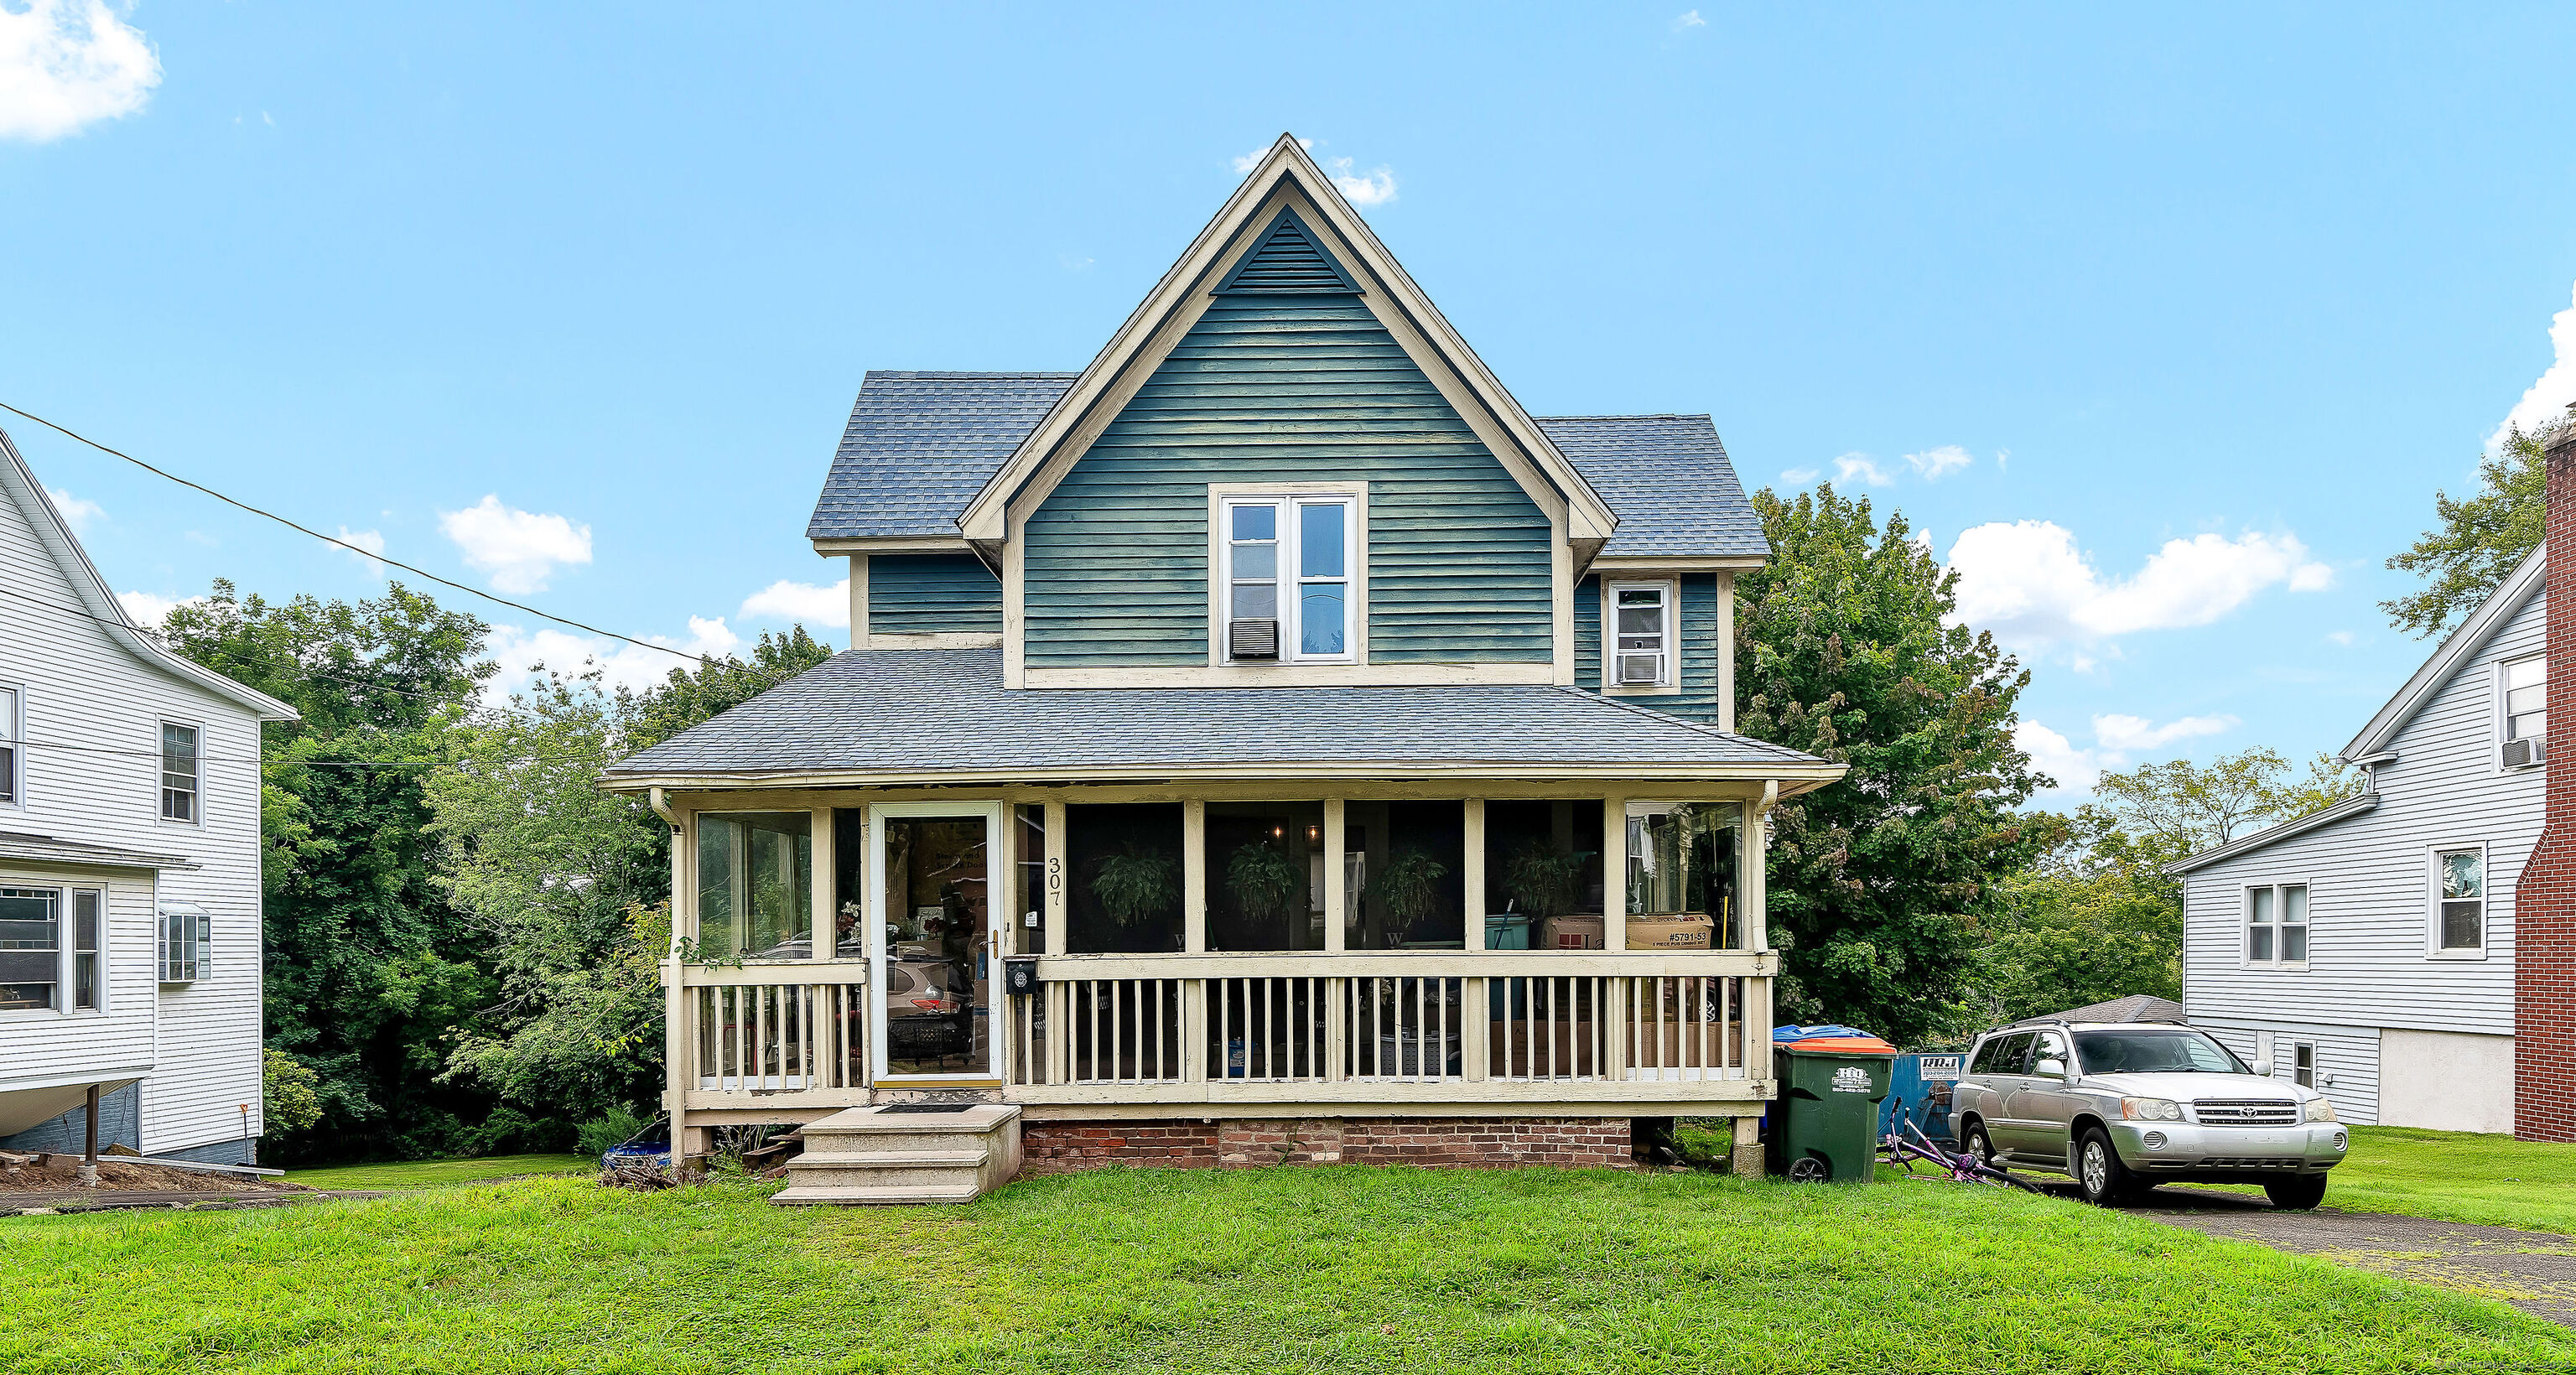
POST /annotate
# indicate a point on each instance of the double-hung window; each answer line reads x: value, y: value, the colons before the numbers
x: 2525, y: 712
x: 2460, y: 902
x: 31, y: 947
x: 1289, y: 567
x: 2276, y: 924
x: 178, y: 772
x: 187, y: 935
x: 1641, y: 622
x: 10, y: 751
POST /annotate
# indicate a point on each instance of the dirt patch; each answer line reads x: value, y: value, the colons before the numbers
x: 61, y: 1174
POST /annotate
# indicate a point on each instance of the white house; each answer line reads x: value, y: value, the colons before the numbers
x: 129, y: 864
x: 2368, y: 949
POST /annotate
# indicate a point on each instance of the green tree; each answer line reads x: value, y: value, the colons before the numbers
x: 1883, y: 886
x: 2180, y: 808
x: 2481, y: 539
x: 2096, y: 918
x: 369, y: 971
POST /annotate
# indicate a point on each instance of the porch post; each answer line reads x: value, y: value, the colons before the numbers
x: 89, y: 1152
x: 1475, y: 875
x: 1614, y: 874
x: 1335, y: 900
x: 1194, y: 877
x: 1757, y: 936
x: 1749, y: 916
x: 678, y: 1042
x: 1474, y: 1032
x: 827, y: 915
x: 1059, y: 1064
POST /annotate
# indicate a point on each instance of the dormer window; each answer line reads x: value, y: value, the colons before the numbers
x: 1288, y: 564
x: 2525, y: 710
x: 1638, y: 631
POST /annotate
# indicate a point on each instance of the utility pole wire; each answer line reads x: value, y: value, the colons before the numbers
x: 344, y: 544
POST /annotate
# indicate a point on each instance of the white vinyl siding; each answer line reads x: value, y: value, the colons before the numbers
x: 2372, y: 894
x: 90, y: 717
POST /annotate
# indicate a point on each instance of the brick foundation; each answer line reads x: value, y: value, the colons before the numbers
x: 2544, y: 895
x: 1254, y: 1142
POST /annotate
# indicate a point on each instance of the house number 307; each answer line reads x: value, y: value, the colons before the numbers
x: 1055, y: 877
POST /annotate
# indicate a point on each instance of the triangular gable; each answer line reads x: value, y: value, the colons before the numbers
x: 2463, y: 643
x: 19, y: 486
x: 1288, y: 260
x: 1288, y: 180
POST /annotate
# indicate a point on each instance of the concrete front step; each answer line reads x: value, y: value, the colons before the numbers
x: 872, y: 1156
x: 812, y: 1195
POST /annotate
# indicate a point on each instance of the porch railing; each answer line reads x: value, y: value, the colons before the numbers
x: 1400, y: 1027
x: 771, y: 1029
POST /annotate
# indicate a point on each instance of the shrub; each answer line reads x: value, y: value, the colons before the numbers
x: 609, y: 1130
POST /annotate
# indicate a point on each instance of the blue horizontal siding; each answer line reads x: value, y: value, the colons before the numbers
x: 1698, y: 699
x: 928, y: 594
x: 1287, y: 389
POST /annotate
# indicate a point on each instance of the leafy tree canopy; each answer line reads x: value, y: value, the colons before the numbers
x: 1882, y: 887
x: 2482, y: 537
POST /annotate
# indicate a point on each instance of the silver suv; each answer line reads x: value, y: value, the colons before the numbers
x: 2121, y: 1107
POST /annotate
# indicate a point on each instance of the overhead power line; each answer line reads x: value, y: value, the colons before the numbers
x: 344, y: 544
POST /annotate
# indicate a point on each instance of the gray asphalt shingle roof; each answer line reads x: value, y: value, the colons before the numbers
x: 946, y: 711
x: 920, y: 445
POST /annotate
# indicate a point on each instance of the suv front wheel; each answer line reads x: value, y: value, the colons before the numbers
x: 1974, y: 1144
x: 2099, y: 1173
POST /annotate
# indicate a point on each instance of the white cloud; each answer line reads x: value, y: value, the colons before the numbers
x: 1933, y: 463
x: 82, y: 514
x: 2029, y: 583
x: 2126, y: 734
x: 1363, y: 189
x: 1800, y: 477
x: 1074, y: 262
x: 2053, y: 754
x: 149, y: 610
x: 2340, y: 637
x: 65, y: 64
x: 1689, y: 19
x: 519, y: 549
x: 1858, y: 465
x: 373, y: 541
x: 2003, y: 459
x: 519, y: 653
x: 800, y: 601
x: 2549, y: 397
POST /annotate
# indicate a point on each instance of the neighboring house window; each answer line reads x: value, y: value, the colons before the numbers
x: 9, y: 749
x: 2526, y: 712
x: 1289, y: 565
x: 186, y: 932
x: 2276, y: 924
x: 31, y: 947
x: 85, y: 937
x: 178, y: 772
x: 2460, y: 906
x: 2303, y: 1064
x: 1641, y: 616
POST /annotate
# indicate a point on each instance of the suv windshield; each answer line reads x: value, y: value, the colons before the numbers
x: 2154, y: 1052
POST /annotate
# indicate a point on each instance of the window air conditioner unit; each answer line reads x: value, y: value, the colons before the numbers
x: 2519, y: 754
x: 1252, y: 639
x: 1641, y: 670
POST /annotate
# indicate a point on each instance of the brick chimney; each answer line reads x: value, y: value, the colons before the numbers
x: 2544, y: 902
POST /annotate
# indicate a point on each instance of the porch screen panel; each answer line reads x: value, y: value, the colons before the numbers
x: 1407, y: 862
x: 1265, y: 875
x: 1124, y: 895
x: 1682, y: 863
x: 756, y: 885
x: 1543, y: 881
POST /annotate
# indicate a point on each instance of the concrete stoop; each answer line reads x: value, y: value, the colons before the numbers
x: 878, y: 1156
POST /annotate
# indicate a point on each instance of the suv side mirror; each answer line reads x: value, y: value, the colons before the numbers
x: 2049, y: 1069
x: 2263, y: 1069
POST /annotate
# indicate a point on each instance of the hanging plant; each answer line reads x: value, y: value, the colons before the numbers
x: 1543, y: 882
x: 1137, y: 884
x: 1263, y: 879
x: 1408, y: 886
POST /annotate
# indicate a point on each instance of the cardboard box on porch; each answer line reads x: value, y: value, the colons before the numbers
x: 1572, y: 933
x: 1688, y: 931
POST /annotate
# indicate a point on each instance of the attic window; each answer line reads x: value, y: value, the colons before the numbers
x: 1286, y: 593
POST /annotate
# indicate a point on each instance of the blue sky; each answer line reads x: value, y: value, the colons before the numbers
x: 573, y: 302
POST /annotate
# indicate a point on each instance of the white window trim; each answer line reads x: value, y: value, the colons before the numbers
x: 1609, y: 615
x: 2280, y: 904
x: 201, y: 965
x: 67, y: 949
x: 158, y: 757
x: 1221, y: 581
x: 2433, y: 901
x: 2496, y: 699
x: 2315, y: 1071
x: 16, y: 731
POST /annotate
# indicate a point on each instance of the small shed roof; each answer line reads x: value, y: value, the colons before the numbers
x: 921, y: 445
x: 2137, y: 1007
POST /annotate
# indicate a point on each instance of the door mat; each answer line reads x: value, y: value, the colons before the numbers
x: 928, y: 1107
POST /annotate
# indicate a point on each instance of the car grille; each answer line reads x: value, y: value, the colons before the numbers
x: 2245, y: 1112
x: 2250, y: 1162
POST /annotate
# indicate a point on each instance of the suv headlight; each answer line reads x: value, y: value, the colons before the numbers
x: 2320, y: 1109
x: 2151, y: 1110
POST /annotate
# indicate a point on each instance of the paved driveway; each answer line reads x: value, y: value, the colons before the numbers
x: 2533, y: 1271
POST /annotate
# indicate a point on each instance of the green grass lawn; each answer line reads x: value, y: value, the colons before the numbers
x: 2456, y: 1176
x: 1343, y: 1269
x: 424, y: 1174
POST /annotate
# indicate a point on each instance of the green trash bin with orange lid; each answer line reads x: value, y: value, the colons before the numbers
x: 1825, y: 1124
